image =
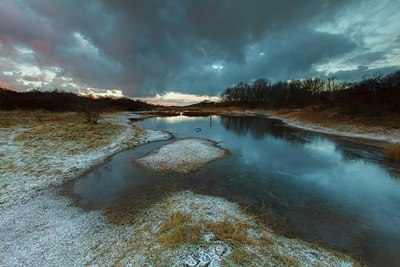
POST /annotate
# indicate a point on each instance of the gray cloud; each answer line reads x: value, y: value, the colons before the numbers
x: 361, y: 72
x: 150, y: 47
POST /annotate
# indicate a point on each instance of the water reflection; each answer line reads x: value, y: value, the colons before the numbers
x: 351, y: 152
x: 176, y: 119
x: 258, y: 127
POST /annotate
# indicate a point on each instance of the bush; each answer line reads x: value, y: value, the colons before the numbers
x: 90, y: 110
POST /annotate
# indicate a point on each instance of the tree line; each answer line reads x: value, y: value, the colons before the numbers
x: 377, y: 93
x: 60, y: 101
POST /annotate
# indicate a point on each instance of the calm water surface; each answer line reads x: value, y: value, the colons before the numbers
x: 336, y: 193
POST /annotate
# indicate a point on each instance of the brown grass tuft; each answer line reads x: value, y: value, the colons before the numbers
x: 392, y: 152
x: 288, y: 261
x: 232, y: 233
x: 235, y: 234
x: 179, y: 230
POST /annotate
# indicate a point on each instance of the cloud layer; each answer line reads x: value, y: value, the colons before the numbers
x: 145, y: 48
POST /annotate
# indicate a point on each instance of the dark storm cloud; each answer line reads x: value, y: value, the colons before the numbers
x: 361, y: 72
x: 149, y: 47
x: 273, y: 58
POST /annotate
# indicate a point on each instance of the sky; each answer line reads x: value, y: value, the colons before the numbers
x: 185, y: 51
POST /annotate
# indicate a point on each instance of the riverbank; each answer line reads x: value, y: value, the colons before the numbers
x: 374, y: 130
x: 41, y: 227
x: 42, y: 149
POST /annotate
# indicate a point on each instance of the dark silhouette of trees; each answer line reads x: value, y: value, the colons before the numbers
x: 377, y: 94
x: 295, y: 93
x: 62, y: 101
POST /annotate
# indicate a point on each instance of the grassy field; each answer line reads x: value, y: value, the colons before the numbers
x: 38, y: 148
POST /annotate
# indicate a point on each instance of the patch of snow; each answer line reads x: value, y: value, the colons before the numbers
x: 206, y: 257
x: 154, y: 136
x: 183, y: 156
x: 48, y: 231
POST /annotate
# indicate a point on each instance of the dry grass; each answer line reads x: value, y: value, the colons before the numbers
x: 232, y: 233
x: 179, y: 230
x: 91, y: 136
x: 332, y: 118
x: 392, y: 152
x: 289, y: 261
x: 34, y: 118
x: 235, y: 234
x: 49, y: 131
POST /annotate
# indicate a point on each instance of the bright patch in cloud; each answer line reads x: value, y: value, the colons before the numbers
x: 23, y: 50
x: 219, y: 67
x: 84, y: 46
x: 178, y: 99
x: 101, y: 92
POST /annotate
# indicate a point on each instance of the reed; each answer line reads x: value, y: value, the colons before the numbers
x: 392, y: 152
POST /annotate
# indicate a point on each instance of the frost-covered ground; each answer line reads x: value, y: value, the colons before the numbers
x: 183, y: 156
x: 39, y: 149
x: 39, y: 227
x: 187, y: 229
x: 49, y: 231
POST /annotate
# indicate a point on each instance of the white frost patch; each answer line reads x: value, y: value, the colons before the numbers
x: 154, y: 136
x: 47, y: 231
x: 183, y: 156
x: 210, y: 257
